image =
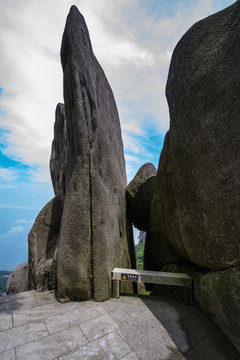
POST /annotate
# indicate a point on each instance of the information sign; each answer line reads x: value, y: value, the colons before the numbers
x: 129, y: 277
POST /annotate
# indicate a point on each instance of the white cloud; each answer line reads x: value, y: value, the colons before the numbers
x: 7, y: 174
x: 20, y: 207
x: 24, y: 221
x: 131, y: 158
x: 12, y: 231
x: 15, y: 230
x: 7, y: 186
x: 133, y: 127
x: 132, y: 44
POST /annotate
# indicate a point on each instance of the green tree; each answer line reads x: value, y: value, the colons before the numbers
x: 139, y: 248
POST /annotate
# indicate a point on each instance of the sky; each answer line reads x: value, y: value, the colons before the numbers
x: 132, y: 39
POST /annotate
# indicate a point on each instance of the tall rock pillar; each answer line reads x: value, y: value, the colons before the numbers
x: 93, y: 234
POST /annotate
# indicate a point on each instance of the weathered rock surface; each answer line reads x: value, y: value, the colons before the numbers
x: 18, y: 280
x: 163, y: 241
x: 177, y: 292
x: 93, y: 235
x: 59, y: 151
x: 140, y: 194
x: 194, y: 216
x: 217, y: 293
x: 195, y: 211
x: 43, y: 245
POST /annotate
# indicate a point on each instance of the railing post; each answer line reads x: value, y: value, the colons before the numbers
x: 116, y: 289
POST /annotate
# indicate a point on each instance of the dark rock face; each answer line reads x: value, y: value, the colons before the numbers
x: 18, y: 280
x: 140, y: 194
x: 59, y: 151
x: 42, y: 246
x: 195, y: 211
x: 162, y: 241
x: 90, y: 172
x: 194, y: 216
x: 84, y: 232
x: 217, y: 293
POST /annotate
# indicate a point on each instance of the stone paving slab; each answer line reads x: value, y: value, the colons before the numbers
x: 52, y: 346
x: 217, y: 348
x: 8, y: 355
x: 189, y: 331
x: 80, y: 314
x: 25, y: 300
x: 5, y: 321
x: 159, y: 347
x: 17, y: 336
x: 140, y: 332
x: 34, y: 326
x: 107, y: 347
x: 43, y: 312
x: 96, y: 328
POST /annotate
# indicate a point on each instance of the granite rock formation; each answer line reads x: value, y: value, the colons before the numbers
x: 195, y: 212
x: 217, y: 293
x: 163, y: 241
x: 59, y: 152
x: 43, y: 245
x: 18, y: 280
x: 88, y: 170
x: 84, y: 232
x: 194, y: 218
x: 140, y: 194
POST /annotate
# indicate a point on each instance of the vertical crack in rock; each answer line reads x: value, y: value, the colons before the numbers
x: 91, y: 224
x: 87, y: 112
x: 90, y: 118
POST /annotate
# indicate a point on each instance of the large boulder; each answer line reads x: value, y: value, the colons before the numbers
x: 43, y: 245
x: 18, y: 280
x: 93, y: 236
x: 140, y: 194
x: 195, y: 211
x: 217, y: 293
x: 163, y: 243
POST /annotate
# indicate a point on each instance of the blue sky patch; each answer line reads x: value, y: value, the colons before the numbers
x: 7, y: 162
x: 20, y: 203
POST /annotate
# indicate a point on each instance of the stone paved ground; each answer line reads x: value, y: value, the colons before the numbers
x: 35, y: 326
